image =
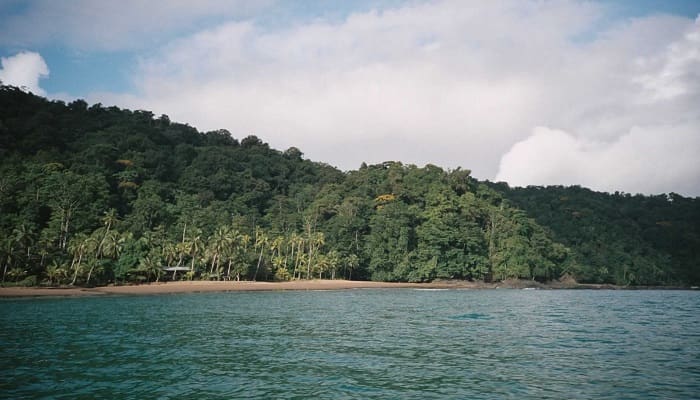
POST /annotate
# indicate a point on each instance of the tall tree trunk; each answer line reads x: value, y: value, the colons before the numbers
x: 77, y: 268
x: 308, y: 265
x: 92, y: 267
x: 492, y: 247
x: 294, y: 274
x: 257, y: 268
x: 4, y: 270
x: 213, y: 262
x: 98, y: 253
x: 65, y: 228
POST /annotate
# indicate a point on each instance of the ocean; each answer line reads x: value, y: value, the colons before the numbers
x: 354, y: 344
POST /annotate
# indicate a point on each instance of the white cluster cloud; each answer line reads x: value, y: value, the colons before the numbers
x: 658, y: 152
x: 448, y: 83
x: 651, y: 159
x: 24, y: 70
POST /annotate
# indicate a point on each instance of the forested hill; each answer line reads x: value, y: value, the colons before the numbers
x: 93, y: 195
x: 619, y: 237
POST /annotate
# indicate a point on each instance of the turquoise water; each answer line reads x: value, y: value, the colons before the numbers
x: 489, y: 344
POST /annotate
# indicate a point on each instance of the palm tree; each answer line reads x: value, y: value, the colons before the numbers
x: 79, y: 246
x: 351, y: 262
x: 294, y: 241
x: 24, y: 236
x: 315, y: 242
x: 55, y: 272
x: 333, y: 261
x: 302, y: 260
x: 194, y: 245
x: 112, y: 246
x: 232, y: 240
x: 16, y: 274
x: 151, y: 267
x: 322, y: 264
x: 276, y: 247
x: 150, y: 239
x: 261, y: 241
x: 278, y: 263
x: 245, y: 241
x: 218, y: 242
x: 169, y: 251
x: 182, y: 249
x: 43, y: 252
x: 105, y: 235
x: 108, y: 220
x: 8, y: 250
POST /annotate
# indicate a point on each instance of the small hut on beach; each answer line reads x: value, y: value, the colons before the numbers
x: 175, y: 270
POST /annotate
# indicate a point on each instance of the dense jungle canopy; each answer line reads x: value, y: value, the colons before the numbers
x: 93, y: 195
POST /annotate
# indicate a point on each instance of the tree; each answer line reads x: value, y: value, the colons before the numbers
x: 80, y: 247
x: 68, y: 194
x: 316, y: 240
x: 321, y: 265
x: 108, y: 241
x: 217, y: 245
x: 333, y: 260
x: 391, y: 239
x: 261, y: 243
x: 150, y: 267
x: 25, y: 237
x: 55, y: 273
x: 194, y: 246
x: 351, y: 264
x: 8, y: 250
x: 173, y: 188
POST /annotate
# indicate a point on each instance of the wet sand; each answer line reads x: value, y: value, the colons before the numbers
x: 228, y: 286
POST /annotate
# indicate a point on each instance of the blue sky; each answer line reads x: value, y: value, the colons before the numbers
x: 598, y: 93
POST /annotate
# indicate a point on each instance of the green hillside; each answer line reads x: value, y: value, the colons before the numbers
x: 91, y: 195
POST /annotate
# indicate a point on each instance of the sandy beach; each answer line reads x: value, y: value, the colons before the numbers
x: 213, y: 286
x: 316, y: 284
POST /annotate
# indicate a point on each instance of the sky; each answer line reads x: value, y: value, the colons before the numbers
x: 602, y: 94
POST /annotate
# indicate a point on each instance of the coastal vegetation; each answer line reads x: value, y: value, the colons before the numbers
x: 91, y: 195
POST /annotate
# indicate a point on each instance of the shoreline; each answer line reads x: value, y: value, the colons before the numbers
x: 316, y: 284
x: 208, y: 287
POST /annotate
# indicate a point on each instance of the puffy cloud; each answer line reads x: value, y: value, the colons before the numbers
x: 652, y: 159
x: 676, y: 72
x: 654, y: 141
x: 448, y: 82
x: 24, y: 70
x: 436, y: 82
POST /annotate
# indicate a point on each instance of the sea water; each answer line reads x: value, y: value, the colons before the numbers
x: 354, y: 344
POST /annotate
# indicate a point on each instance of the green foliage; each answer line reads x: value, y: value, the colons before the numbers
x: 93, y: 195
x: 619, y: 238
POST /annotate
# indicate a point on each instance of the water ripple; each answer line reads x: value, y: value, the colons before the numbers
x: 355, y: 345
